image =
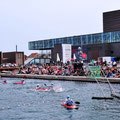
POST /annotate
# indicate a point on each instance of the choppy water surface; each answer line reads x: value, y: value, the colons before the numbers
x: 22, y: 102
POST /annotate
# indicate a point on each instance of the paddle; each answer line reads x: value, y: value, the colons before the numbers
x: 76, y: 102
x: 76, y: 108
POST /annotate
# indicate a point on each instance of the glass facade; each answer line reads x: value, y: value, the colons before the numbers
x: 99, y: 38
x: 45, y: 53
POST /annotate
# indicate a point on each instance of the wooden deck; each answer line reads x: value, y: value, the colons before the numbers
x: 9, y: 68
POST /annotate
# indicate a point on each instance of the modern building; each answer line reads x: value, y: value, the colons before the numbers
x: 94, y: 45
x: 111, y: 21
x: 31, y: 59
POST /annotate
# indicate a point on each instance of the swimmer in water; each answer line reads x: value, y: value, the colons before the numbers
x: 22, y: 81
x: 37, y: 87
x: 49, y: 86
x: 4, y: 81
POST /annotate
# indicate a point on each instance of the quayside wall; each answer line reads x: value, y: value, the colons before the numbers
x: 62, y: 78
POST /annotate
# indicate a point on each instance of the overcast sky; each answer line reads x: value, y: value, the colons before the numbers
x: 22, y: 21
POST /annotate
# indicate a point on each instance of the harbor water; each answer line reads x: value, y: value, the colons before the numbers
x: 23, y: 102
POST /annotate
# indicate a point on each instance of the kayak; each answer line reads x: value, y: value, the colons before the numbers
x: 3, y: 82
x: 18, y: 83
x: 43, y: 89
x: 22, y: 81
x: 71, y: 107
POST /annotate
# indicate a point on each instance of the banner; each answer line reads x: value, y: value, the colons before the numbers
x: 94, y: 71
x: 66, y: 52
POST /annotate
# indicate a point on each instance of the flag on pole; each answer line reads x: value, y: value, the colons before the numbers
x: 74, y: 56
x: 58, y: 58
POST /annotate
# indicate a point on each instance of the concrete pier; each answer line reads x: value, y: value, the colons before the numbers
x: 62, y: 78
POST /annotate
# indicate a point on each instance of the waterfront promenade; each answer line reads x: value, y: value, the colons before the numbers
x: 62, y: 78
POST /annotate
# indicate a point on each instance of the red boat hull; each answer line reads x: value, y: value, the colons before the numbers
x: 71, y: 107
x: 17, y: 83
x: 43, y: 89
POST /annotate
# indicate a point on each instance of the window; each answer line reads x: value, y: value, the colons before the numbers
x: 64, y: 40
x: 97, y: 39
x: 69, y: 40
x: 36, y: 44
x: 115, y: 36
x: 106, y: 38
x: 79, y: 40
x: 51, y: 43
x: 57, y: 41
x: 31, y: 45
x: 40, y: 44
x: 84, y: 40
x: 76, y: 40
x: 46, y: 44
x: 89, y: 39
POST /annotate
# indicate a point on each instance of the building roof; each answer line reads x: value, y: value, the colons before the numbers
x: 32, y: 55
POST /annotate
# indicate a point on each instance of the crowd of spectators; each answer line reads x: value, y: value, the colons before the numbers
x: 76, y: 69
x: 110, y: 69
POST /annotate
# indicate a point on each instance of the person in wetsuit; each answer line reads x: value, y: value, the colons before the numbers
x: 68, y: 101
x: 49, y: 86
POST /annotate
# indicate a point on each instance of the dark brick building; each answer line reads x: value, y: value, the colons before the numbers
x: 14, y: 57
x: 111, y: 21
